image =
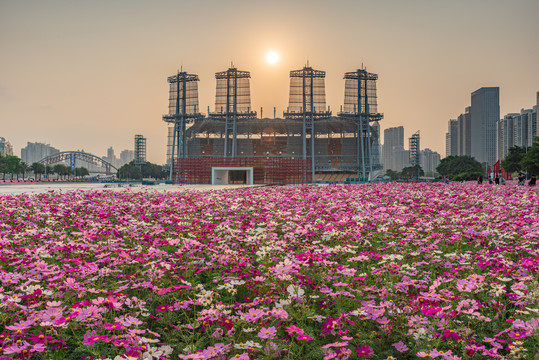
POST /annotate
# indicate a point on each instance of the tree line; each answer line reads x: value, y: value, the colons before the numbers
x: 149, y: 170
x: 523, y: 159
x: 12, y: 166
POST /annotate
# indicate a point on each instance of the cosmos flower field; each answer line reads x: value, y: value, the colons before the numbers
x: 382, y: 271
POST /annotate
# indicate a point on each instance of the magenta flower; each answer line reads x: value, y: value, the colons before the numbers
x: 363, y: 351
x: 304, y: 337
x: 294, y: 330
x: 164, y: 307
x: 517, y: 334
x: 92, y: 339
x: 267, y: 333
x: 115, y: 326
x: 450, y: 334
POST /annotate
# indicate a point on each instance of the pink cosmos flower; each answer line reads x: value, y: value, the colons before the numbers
x: 363, y: 351
x: 493, y: 353
x: 267, y: 333
x: 243, y: 356
x: 400, y: 346
x: 39, y: 347
x: 254, y: 314
x: 335, y: 344
x: 21, y: 325
x: 304, y: 337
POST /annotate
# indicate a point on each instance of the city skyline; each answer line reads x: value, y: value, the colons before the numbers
x: 93, y: 75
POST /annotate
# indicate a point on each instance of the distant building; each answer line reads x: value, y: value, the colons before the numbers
x: 429, y: 160
x: 401, y: 158
x: 414, y: 146
x: 463, y: 133
x: 126, y: 156
x: 110, y: 157
x: 140, y: 150
x: 452, y: 141
x: 5, y: 147
x: 505, y: 135
x: 485, y: 113
x: 33, y: 152
x: 393, y: 141
x: 529, y: 119
x: 516, y: 129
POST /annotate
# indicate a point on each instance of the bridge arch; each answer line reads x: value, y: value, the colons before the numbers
x: 73, y: 156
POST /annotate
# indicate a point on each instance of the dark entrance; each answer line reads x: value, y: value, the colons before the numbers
x: 237, y: 176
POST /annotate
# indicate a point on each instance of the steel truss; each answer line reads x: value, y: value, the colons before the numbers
x: 80, y: 156
x: 233, y: 92
x: 183, y: 104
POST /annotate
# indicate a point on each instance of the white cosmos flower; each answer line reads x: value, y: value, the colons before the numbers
x: 295, y: 291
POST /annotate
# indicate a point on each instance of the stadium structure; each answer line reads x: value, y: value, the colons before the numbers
x: 309, y: 144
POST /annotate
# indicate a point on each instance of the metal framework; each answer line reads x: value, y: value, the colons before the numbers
x: 232, y: 102
x: 360, y: 104
x: 307, y: 102
x: 336, y: 147
x: 140, y: 150
x: 182, y: 112
x: 414, y: 149
x: 73, y: 156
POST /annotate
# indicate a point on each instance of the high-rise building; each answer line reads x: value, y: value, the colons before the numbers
x: 463, y: 133
x: 520, y: 128
x: 485, y: 113
x: 393, y: 141
x: 415, y: 158
x: 5, y: 147
x: 529, y: 116
x: 452, y: 138
x: 429, y: 160
x: 33, y: 152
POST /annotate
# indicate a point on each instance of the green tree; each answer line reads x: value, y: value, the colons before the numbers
x: 513, y: 160
x: 3, y: 166
x: 12, y: 165
x: 393, y: 175
x: 23, y: 169
x: 38, y: 169
x: 454, y: 165
x: 81, y: 171
x: 149, y: 170
x: 530, y: 162
x: 129, y: 171
x: 412, y: 172
x: 61, y: 170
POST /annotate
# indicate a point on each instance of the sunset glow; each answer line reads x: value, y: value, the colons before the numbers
x: 272, y: 58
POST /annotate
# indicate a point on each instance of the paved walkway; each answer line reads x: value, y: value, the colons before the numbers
x: 36, y: 188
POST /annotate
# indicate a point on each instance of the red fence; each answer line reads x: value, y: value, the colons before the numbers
x: 271, y: 171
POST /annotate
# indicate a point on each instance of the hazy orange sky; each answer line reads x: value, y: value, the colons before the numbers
x: 92, y: 74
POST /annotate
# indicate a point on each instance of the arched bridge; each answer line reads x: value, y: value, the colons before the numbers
x: 74, y: 156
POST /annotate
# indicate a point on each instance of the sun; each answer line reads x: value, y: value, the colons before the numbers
x: 272, y: 57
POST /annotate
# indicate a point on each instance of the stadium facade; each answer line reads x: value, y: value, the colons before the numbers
x: 309, y: 143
